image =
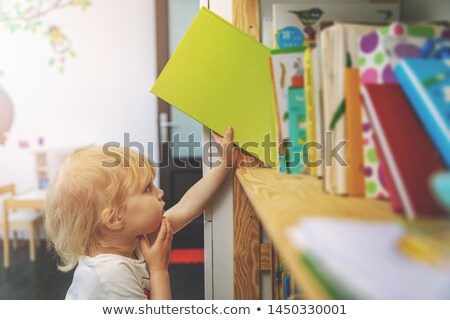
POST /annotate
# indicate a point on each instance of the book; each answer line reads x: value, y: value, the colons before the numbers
x: 375, y: 67
x: 287, y: 71
x: 410, y: 157
x: 426, y: 82
x: 283, y: 282
x: 440, y: 184
x: 318, y: 110
x: 311, y: 158
x: 387, y: 177
x: 398, y: 48
x: 339, y: 48
x: 220, y: 76
x: 375, y: 259
x: 296, y: 154
x: 295, y: 23
x: 354, y: 155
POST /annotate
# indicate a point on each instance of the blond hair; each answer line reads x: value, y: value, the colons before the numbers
x: 91, y: 185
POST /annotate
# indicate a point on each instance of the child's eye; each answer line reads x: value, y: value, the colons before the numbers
x: 149, y: 188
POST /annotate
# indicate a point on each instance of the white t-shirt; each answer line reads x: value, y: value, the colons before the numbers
x: 110, y: 276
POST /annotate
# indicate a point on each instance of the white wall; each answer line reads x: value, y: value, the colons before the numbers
x: 102, y: 93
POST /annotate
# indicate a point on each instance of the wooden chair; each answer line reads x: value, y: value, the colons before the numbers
x: 22, y: 215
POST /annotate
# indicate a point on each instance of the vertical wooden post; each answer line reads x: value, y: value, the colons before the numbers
x: 245, y: 224
x: 246, y: 16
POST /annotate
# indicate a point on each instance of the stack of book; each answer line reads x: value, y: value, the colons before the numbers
x: 284, y: 286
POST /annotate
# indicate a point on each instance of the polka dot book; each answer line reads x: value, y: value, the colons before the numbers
x: 375, y: 67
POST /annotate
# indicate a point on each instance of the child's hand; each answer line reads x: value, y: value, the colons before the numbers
x: 156, y: 250
x: 230, y: 152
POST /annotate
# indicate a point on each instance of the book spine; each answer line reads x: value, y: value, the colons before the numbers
x: 297, y: 129
x: 387, y: 153
x: 354, y: 152
x: 280, y: 151
x: 310, y: 111
x: 318, y: 103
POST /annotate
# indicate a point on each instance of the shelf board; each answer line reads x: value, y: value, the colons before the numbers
x: 281, y: 200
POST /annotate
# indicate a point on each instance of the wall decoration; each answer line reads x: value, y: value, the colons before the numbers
x: 28, y: 16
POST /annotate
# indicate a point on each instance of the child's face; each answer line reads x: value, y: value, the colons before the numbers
x: 144, y: 210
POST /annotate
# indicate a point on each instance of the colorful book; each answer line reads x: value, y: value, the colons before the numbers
x: 220, y: 76
x: 339, y: 48
x: 287, y: 71
x: 354, y: 155
x: 283, y: 283
x: 410, y: 157
x: 426, y: 82
x: 297, y: 130
x: 311, y: 158
x: 375, y: 67
x: 399, y: 48
x: 295, y: 23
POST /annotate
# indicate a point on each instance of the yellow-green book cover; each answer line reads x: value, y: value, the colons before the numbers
x: 220, y: 76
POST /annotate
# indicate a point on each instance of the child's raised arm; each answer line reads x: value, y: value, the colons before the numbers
x: 195, y: 200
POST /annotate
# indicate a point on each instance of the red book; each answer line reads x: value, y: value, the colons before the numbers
x: 406, y: 151
x: 394, y: 197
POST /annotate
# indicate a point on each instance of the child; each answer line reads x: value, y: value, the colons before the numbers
x: 104, y: 214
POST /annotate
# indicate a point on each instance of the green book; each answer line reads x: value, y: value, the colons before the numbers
x: 220, y: 76
x: 297, y: 129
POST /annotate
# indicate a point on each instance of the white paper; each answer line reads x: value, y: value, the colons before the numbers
x: 364, y: 258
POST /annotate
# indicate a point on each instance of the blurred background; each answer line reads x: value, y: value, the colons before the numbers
x: 76, y: 73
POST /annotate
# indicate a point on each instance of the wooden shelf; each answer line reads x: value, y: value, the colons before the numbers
x: 282, y: 200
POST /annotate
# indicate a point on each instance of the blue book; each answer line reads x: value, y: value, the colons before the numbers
x: 426, y: 82
x: 287, y: 286
x: 440, y: 184
x: 297, y: 129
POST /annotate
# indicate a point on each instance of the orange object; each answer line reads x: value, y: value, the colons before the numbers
x: 297, y: 81
x: 354, y: 133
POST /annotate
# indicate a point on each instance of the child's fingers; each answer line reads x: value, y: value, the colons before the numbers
x: 162, y: 231
x: 229, y: 134
x: 151, y: 237
x: 143, y: 243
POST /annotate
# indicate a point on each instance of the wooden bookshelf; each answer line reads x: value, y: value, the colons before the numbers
x: 279, y: 201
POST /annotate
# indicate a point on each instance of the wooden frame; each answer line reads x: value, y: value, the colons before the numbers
x: 250, y: 256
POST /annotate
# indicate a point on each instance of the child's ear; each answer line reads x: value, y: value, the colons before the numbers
x: 112, y: 219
